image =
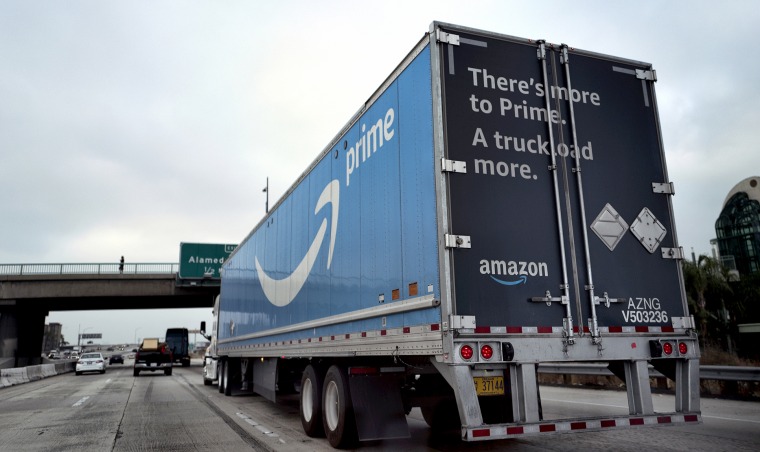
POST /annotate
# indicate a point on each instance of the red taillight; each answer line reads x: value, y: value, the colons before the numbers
x: 682, y: 348
x: 667, y: 348
x: 363, y: 371
x: 466, y: 352
x: 486, y: 352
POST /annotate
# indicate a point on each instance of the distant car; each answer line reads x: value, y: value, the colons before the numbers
x: 91, y: 362
x: 74, y: 355
x: 116, y: 359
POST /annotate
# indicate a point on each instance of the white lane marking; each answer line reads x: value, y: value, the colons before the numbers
x: 262, y: 428
x: 108, y: 381
x: 80, y: 402
x: 704, y: 416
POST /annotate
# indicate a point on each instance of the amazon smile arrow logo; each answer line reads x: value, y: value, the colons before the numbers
x: 520, y: 280
x: 280, y: 292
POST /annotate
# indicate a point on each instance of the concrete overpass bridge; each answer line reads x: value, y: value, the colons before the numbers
x: 28, y: 292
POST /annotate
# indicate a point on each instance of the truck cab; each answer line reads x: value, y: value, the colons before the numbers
x: 210, y: 358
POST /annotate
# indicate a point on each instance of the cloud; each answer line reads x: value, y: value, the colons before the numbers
x: 127, y: 128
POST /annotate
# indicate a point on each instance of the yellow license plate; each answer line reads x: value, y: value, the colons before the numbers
x: 486, y: 386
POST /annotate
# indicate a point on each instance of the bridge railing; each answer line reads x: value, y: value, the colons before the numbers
x: 87, y: 269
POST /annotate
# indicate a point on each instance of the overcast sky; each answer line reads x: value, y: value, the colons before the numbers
x: 129, y: 127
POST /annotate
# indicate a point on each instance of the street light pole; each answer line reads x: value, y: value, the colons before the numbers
x: 136, y: 330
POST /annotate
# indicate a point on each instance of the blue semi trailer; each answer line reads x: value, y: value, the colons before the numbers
x: 497, y: 204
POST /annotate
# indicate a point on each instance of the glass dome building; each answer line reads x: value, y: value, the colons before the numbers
x: 738, y: 226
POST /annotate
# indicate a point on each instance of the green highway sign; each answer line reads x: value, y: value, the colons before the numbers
x: 92, y: 336
x: 202, y: 260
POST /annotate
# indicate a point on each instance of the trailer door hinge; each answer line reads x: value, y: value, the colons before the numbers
x: 541, y: 50
x: 666, y: 188
x: 650, y: 75
x: 684, y: 322
x: 458, y: 322
x: 448, y: 38
x: 453, y: 166
x: 457, y: 241
x: 672, y: 253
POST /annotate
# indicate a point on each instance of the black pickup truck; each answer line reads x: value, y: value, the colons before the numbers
x: 153, y: 356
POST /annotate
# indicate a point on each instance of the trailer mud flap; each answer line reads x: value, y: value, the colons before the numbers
x: 378, y: 408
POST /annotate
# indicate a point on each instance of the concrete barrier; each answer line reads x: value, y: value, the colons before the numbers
x: 48, y: 370
x: 19, y: 375
x: 14, y: 376
x: 34, y: 373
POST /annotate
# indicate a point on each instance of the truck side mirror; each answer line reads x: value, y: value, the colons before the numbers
x: 203, y: 326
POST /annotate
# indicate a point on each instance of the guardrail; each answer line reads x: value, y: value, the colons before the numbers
x: 706, y: 372
x: 86, y: 269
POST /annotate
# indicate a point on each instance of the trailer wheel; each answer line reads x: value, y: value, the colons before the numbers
x: 337, y: 411
x: 443, y: 416
x: 167, y: 372
x: 311, y: 402
x: 220, y: 375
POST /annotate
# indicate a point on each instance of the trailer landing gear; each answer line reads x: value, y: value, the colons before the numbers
x: 220, y: 380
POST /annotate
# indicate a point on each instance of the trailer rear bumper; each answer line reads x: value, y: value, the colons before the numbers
x: 517, y: 430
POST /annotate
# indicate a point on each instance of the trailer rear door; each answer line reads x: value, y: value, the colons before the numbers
x: 560, y: 213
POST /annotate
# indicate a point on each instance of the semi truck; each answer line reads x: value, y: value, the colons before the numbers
x: 496, y: 205
x: 178, y: 342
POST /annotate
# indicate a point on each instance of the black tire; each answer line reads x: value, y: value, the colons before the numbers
x: 228, y: 378
x: 78, y: 373
x: 206, y: 382
x: 102, y: 371
x: 186, y: 363
x: 220, y: 376
x: 310, y: 405
x: 337, y: 410
x: 442, y: 417
x: 136, y: 372
x: 167, y: 372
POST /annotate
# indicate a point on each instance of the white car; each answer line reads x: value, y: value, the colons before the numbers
x: 91, y: 362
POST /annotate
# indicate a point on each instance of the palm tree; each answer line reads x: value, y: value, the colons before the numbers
x: 707, y: 290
